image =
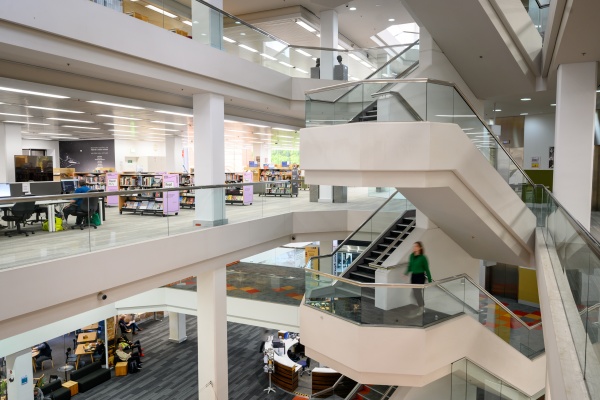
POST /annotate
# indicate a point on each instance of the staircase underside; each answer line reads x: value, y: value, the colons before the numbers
x: 437, y: 168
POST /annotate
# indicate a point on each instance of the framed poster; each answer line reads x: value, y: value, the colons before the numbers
x: 551, y: 157
x: 535, y: 162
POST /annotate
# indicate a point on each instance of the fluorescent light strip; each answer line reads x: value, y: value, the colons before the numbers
x: 126, y: 126
x: 268, y: 57
x: 161, y: 11
x: 71, y: 120
x: 263, y: 134
x: 235, y: 130
x: 243, y: 46
x: 259, y: 126
x: 301, y: 70
x: 169, y: 123
x: 53, y: 134
x: 115, y: 104
x: 120, y: 130
x: 457, y: 116
x: 303, y: 53
x: 25, y: 123
x: 286, y: 64
x: 290, y: 137
x: 79, y: 127
x: 225, y: 38
x: 354, y: 56
x: 118, y: 117
x: 174, y: 113
x: 17, y: 115
x: 284, y: 129
x: 306, y: 26
x: 55, y: 109
x: 366, y: 64
x: 187, y: 23
x: 166, y: 130
x: 6, y: 89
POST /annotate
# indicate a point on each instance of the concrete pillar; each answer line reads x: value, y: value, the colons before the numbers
x: 325, y: 194
x: 173, y: 154
x: 326, y: 264
x: 209, y: 156
x: 212, y: 335
x: 20, y: 369
x: 329, y: 39
x: 207, y: 24
x: 574, y: 138
x: 10, y: 146
x: 177, y: 327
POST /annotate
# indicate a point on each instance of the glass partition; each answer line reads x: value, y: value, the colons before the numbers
x: 471, y: 382
x: 538, y: 12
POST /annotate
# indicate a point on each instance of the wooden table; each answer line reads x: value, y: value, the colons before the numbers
x: 92, y: 327
x: 34, y: 354
x: 81, y: 351
x: 72, y: 386
x: 87, y: 337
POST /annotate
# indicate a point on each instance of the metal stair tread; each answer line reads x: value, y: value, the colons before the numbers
x: 366, y: 276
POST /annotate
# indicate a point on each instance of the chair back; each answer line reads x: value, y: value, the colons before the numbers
x: 23, y: 210
x: 89, y: 205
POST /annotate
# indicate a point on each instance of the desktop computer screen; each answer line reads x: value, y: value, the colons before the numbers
x: 69, y: 185
x: 45, y: 188
x: 5, y: 190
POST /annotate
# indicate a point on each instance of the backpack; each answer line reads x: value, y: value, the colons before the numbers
x: 132, y: 366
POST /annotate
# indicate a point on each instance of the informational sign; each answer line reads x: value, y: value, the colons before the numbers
x: 87, y: 155
x: 535, y: 162
x: 311, y: 251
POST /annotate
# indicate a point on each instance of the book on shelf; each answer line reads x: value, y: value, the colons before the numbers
x: 150, y: 205
x: 158, y: 206
x: 143, y: 205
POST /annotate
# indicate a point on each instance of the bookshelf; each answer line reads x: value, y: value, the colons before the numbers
x: 187, y: 198
x: 95, y: 180
x: 149, y: 203
x: 289, y: 188
x: 243, y: 195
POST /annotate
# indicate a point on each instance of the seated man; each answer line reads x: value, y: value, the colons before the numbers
x: 133, y: 361
x: 71, y: 209
x: 124, y: 342
x: 45, y: 353
x: 100, y: 352
x: 125, y: 326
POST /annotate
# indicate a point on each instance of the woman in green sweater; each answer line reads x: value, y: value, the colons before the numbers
x: 418, y: 267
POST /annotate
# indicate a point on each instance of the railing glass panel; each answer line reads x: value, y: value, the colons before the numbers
x: 538, y: 12
x: 471, y: 382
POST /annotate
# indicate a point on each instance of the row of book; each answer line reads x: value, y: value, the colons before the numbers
x: 186, y: 200
x: 143, y: 205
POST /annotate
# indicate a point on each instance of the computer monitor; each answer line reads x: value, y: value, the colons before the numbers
x: 69, y: 185
x: 45, y: 188
x: 16, y: 189
x: 5, y: 190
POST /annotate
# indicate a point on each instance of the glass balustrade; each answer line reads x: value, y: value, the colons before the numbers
x: 201, y: 22
x: 471, y: 382
x: 538, y: 12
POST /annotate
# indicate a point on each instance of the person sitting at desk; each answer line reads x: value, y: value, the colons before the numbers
x: 71, y: 209
x: 45, y: 353
x: 100, y: 352
x: 300, y: 349
x: 292, y: 355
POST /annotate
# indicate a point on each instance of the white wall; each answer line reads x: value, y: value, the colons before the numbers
x: 51, y: 147
x: 539, y: 137
x: 147, y: 153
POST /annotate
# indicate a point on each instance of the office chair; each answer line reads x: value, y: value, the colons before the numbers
x: 305, y: 364
x: 19, y: 214
x: 87, y: 208
x: 71, y: 358
x: 49, y: 359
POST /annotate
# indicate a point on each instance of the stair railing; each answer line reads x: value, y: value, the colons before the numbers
x: 375, y: 264
x: 329, y: 389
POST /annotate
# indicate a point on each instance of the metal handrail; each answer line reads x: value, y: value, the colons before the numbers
x: 391, y: 46
x: 329, y: 389
x: 422, y: 286
x: 92, y: 194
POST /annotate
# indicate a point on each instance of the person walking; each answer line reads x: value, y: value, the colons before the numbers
x: 418, y: 267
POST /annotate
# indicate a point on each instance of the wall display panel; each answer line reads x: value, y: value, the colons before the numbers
x: 87, y: 155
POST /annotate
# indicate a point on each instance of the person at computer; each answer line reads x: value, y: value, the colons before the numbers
x: 71, y: 209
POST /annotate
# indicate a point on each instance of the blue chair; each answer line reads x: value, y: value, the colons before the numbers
x: 305, y: 364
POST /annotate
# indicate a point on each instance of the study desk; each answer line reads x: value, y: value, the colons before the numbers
x: 49, y: 204
x: 286, y: 371
x: 92, y: 327
x: 87, y: 337
x: 82, y: 351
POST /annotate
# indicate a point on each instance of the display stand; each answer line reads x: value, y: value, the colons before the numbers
x: 270, y: 367
x: 112, y: 185
x: 150, y: 203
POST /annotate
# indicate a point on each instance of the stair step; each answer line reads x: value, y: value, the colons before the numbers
x: 367, y: 267
x: 363, y: 277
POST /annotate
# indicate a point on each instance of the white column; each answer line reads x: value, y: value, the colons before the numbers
x: 10, y: 146
x: 173, y: 154
x: 209, y: 158
x: 177, y: 332
x: 329, y: 39
x: 212, y: 335
x: 207, y: 24
x: 325, y: 194
x: 326, y: 264
x: 19, y: 367
x: 574, y: 138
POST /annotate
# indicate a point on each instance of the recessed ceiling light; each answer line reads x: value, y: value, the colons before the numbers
x: 354, y: 56
x: 305, y: 26
x: 497, y: 110
x: 301, y: 70
x: 115, y: 104
x: 391, y: 20
x: 126, y: 126
x: 352, y: 8
x: 225, y: 38
x: 457, y: 116
x: 286, y: 64
x: 263, y: 134
x: 79, y: 127
x: 55, y: 109
x: 524, y: 114
x: 303, y: 53
x: 284, y: 129
x: 167, y: 130
x: 174, y: 113
x: 169, y: 123
x: 257, y: 125
x: 291, y: 137
x: 243, y: 46
x: 553, y: 105
x: 53, y: 134
x: 268, y: 57
x: 17, y: 115
x: 25, y: 123
x: 235, y: 130
x: 118, y: 117
x: 243, y: 34
x: 161, y: 11
x: 188, y: 23
x: 33, y: 93
x: 526, y: 99
x: 120, y: 130
x: 71, y: 120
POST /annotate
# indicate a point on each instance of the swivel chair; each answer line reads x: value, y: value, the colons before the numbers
x: 305, y: 364
x: 85, y: 211
x: 19, y: 214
